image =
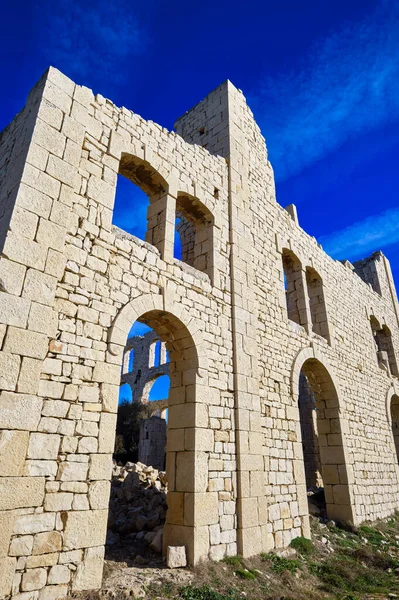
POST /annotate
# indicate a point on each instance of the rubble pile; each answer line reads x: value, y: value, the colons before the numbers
x: 137, y: 505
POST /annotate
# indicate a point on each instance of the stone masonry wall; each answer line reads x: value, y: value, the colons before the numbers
x: 72, y: 286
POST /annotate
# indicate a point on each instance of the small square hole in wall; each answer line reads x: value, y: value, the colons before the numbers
x: 216, y: 193
x: 201, y: 130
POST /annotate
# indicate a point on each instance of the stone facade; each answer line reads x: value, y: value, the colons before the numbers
x: 240, y: 333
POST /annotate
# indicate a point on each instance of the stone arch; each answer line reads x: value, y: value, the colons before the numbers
x: 294, y: 287
x: 385, y: 350
x: 332, y: 427
x: 149, y: 385
x: 317, y: 303
x: 147, y: 173
x: 144, y: 174
x: 186, y: 465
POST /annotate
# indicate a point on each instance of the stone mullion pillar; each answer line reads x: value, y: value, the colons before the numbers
x: 161, y: 218
x: 305, y: 314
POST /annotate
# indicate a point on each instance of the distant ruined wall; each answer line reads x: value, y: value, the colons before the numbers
x: 152, y: 442
x: 73, y: 284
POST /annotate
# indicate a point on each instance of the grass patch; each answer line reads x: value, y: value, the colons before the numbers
x: 204, y: 592
x: 246, y: 573
x: 233, y: 561
x: 303, y: 545
x: 280, y: 564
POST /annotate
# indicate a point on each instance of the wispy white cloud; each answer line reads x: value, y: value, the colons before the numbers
x: 363, y: 237
x: 346, y: 86
x: 91, y: 41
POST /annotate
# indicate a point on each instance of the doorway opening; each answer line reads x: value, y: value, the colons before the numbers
x: 322, y: 443
x: 149, y: 484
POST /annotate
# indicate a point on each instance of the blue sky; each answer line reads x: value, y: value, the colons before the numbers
x: 322, y: 78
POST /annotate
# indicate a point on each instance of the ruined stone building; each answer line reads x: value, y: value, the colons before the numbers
x: 253, y: 308
x: 144, y: 362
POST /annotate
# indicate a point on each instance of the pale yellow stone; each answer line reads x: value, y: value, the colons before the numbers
x: 33, y: 579
x: 100, y: 466
x: 21, y: 492
x: 13, y: 448
x: 99, y: 492
x: 89, y: 572
x: 21, y: 546
x: 44, y: 446
x: 7, y: 570
x: 85, y: 528
x: 7, y: 520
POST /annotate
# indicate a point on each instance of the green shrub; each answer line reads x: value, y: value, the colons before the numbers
x: 280, y: 564
x: 233, y: 561
x: 302, y: 545
x: 245, y: 573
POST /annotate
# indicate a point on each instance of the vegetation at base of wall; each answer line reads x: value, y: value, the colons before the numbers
x: 338, y: 564
x: 303, y: 546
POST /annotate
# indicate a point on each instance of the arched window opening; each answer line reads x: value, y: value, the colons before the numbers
x: 293, y: 285
x: 384, y: 347
x: 128, y: 360
x: 322, y: 443
x: 160, y: 388
x: 130, y: 208
x: 194, y: 234
x: 156, y: 354
x: 131, y: 360
x: 317, y: 303
x: 142, y: 438
x: 141, y: 201
x: 395, y: 422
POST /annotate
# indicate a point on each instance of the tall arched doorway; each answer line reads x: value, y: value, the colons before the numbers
x: 186, y: 463
x: 322, y: 440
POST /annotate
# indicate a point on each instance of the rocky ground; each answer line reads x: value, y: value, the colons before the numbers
x: 340, y: 563
x: 137, y: 511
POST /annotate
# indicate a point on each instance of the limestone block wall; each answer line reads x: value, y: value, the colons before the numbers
x: 72, y: 286
x: 351, y: 386
x: 78, y: 285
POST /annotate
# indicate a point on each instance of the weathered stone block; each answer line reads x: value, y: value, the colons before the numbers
x: 176, y: 557
x: 59, y: 574
x: 26, y: 343
x: 13, y: 448
x: 34, y: 579
x: 18, y: 411
x: 21, y: 546
x: 35, y: 523
x: 99, y: 492
x: 89, y: 572
x: 47, y: 542
x: 29, y: 376
x: 100, y: 466
x: 39, y: 287
x: 84, y: 529
x: 7, y: 570
x: 13, y: 310
x: 44, y: 445
x: 20, y: 492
